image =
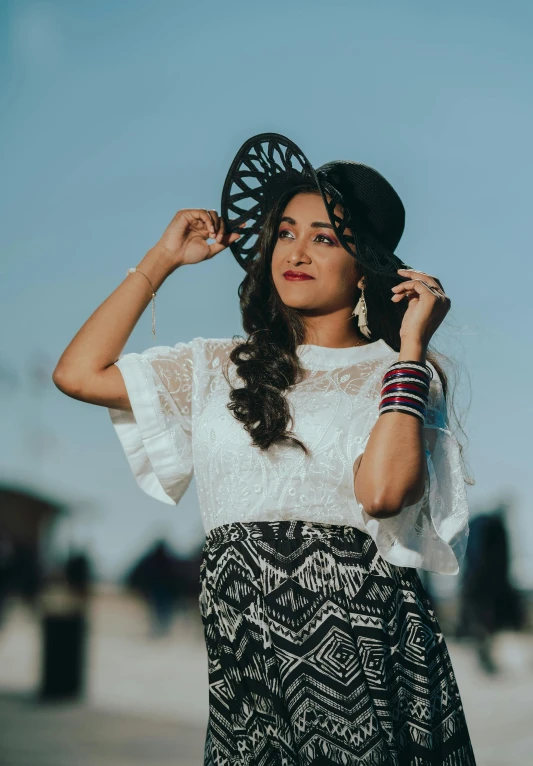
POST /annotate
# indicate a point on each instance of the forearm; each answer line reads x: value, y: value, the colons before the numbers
x: 101, y: 339
x: 392, y: 470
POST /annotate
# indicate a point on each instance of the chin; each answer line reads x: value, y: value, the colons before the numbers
x: 295, y: 304
x: 294, y: 292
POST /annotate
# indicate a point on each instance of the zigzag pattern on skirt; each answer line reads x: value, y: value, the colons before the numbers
x: 321, y: 652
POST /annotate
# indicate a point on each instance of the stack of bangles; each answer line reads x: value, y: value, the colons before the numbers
x: 405, y: 388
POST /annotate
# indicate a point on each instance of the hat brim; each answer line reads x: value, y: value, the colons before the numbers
x: 264, y: 167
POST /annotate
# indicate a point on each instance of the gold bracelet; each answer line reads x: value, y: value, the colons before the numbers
x: 132, y: 271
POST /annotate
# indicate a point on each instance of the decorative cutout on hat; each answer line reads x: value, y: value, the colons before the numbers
x: 265, y: 166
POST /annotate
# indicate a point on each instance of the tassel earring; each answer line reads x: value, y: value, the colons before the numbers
x: 360, y: 311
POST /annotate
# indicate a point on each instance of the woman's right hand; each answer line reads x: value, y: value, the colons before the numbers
x: 185, y: 238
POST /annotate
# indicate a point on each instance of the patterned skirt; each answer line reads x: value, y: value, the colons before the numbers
x: 321, y: 652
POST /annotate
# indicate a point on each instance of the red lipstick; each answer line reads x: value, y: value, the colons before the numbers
x: 296, y: 276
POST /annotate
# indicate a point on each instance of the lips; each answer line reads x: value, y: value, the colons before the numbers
x: 296, y: 275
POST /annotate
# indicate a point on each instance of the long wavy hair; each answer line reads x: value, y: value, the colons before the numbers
x: 267, y: 360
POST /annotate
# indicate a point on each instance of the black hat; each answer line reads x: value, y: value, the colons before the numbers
x: 267, y: 164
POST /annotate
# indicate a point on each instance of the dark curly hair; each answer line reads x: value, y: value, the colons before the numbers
x: 267, y: 360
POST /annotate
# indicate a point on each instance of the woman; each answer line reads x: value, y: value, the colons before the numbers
x: 322, y: 644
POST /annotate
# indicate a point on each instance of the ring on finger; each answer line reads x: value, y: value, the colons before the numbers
x: 433, y: 288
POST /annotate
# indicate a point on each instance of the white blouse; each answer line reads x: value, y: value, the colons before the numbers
x: 179, y: 425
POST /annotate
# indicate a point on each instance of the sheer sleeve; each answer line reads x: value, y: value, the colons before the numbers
x: 431, y: 534
x: 156, y: 435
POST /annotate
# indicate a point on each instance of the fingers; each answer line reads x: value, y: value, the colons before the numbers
x: 223, y: 239
x: 217, y: 228
x: 210, y: 225
x: 220, y: 227
x: 412, y: 283
x: 200, y: 218
x: 232, y: 236
x: 416, y: 272
x: 221, y: 232
x: 215, y: 223
x: 416, y: 285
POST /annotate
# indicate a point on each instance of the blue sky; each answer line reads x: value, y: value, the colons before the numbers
x: 117, y: 114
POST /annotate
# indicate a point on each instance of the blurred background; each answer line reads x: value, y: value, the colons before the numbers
x: 114, y: 115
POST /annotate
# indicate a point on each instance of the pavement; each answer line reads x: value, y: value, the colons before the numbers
x: 146, y: 698
x: 33, y: 734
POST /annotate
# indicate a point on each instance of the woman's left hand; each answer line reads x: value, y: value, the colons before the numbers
x: 428, y: 304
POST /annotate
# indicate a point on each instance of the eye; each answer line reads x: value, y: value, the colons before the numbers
x: 286, y: 231
x: 326, y: 238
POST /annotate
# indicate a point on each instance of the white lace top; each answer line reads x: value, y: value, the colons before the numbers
x: 179, y: 425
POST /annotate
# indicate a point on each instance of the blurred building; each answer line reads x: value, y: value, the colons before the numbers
x: 26, y: 520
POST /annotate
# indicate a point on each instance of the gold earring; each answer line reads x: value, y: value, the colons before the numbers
x: 360, y: 311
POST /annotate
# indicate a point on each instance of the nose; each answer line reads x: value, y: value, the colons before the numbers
x: 297, y: 253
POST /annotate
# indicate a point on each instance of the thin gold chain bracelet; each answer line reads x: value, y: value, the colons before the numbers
x: 132, y: 271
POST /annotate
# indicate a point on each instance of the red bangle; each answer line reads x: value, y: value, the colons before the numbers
x: 405, y: 388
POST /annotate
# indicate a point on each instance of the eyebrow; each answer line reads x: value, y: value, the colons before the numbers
x: 315, y: 224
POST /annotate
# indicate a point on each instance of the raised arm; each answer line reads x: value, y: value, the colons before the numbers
x: 391, y: 472
x: 86, y: 369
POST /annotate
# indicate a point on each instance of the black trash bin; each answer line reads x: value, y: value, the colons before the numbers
x: 64, y: 645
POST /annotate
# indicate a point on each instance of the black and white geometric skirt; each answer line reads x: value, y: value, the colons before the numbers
x: 321, y: 652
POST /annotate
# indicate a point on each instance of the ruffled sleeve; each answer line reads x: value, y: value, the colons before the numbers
x: 156, y: 435
x: 431, y: 534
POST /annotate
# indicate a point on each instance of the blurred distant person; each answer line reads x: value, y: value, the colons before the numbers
x: 310, y: 597
x: 155, y: 577
x: 488, y: 601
